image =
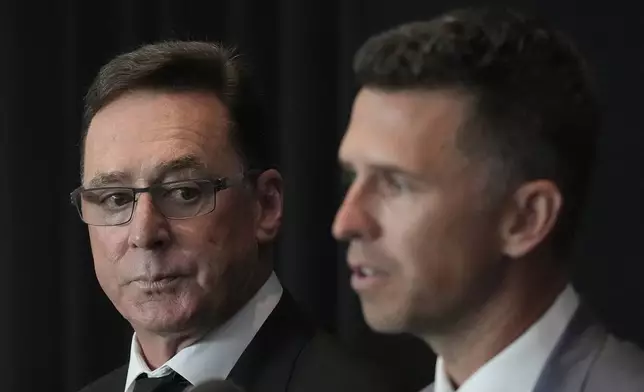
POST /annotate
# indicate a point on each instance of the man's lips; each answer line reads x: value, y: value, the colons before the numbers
x: 364, y: 272
x: 366, y: 277
x: 158, y: 282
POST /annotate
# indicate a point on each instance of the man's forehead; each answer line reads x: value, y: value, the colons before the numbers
x: 145, y: 114
x: 151, y: 130
x: 410, y: 112
x: 408, y: 128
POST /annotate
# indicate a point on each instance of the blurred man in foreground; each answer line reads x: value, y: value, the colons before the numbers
x: 472, y: 143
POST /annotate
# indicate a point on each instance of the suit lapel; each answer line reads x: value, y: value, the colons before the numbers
x: 268, y: 361
x: 111, y: 382
x: 570, y: 362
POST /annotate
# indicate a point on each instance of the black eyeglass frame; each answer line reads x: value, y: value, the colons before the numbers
x: 219, y: 184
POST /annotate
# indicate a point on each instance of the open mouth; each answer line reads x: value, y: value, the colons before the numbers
x: 364, y: 272
x: 366, y: 278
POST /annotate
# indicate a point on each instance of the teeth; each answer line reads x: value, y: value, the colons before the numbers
x: 367, y: 271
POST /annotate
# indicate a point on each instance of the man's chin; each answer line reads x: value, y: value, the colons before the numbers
x: 381, y: 320
x: 159, y: 319
x: 164, y: 327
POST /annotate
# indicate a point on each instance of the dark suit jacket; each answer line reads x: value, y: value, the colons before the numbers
x: 589, y: 359
x: 288, y: 354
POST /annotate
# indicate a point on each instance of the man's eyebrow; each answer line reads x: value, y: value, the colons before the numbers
x: 382, y: 168
x: 394, y: 170
x: 106, y: 179
x: 115, y: 178
x: 186, y: 162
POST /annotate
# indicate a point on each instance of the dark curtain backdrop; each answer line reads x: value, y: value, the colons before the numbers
x: 56, y: 325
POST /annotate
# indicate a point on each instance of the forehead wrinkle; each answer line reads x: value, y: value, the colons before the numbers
x: 159, y: 110
x: 194, y: 120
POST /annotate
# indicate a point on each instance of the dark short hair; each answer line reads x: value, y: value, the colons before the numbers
x: 533, y: 110
x: 187, y: 66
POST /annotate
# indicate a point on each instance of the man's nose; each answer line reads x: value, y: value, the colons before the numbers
x: 353, y: 219
x: 148, y: 227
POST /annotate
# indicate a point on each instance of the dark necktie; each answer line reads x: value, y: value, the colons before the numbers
x: 172, y: 382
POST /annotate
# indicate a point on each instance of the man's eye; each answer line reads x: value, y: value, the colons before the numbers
x: 114, y: 200
x: 394, y: 183
x: 348, y: 177
x: 184, y: 193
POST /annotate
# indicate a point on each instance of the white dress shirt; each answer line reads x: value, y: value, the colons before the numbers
x: 215, y: 355
x: 517, y: 368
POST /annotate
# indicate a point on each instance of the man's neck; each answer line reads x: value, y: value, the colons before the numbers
x: 505, y: 317
x: 157, y: 350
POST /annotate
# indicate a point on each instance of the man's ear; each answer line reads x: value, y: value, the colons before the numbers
x: 530, y: 217
x: 270, y: 197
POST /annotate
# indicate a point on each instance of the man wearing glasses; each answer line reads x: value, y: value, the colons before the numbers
x: 182, y: 208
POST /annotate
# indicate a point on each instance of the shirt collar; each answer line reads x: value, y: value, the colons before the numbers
x: 518, y: 366
x: 215, y: 355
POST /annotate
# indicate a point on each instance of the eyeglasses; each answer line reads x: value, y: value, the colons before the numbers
x: 113, y: 206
